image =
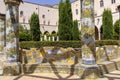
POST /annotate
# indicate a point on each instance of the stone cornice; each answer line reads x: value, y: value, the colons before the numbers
x: 2, y: 16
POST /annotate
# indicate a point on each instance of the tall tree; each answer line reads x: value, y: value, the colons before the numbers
x: 35, y: 27
x: 107, y: 24
x: 65, y: 21
x: 61, y: 17
x: 69, y: 19
x: 75, y: 30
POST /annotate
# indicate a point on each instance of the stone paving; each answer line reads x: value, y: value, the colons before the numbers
x: 115, y: 75
x: 40, y: 76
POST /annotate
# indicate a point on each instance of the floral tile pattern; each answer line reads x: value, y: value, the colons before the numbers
x: 88, y: 46
x: 112, y: 51
x: 2, y: 23
x: 11, y: 32
x: 100, y: 55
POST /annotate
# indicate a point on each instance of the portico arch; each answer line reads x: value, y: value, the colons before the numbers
x: 46, y: 32
x: 101, y: 32
x: 96, y: 33
x: 53, y: 32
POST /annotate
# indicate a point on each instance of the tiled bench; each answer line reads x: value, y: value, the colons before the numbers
x: 117, y: 63
x: 107, y: 67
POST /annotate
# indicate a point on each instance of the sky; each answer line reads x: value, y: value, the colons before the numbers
x: 44, y: 2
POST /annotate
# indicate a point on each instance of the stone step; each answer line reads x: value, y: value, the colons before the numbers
x: 1, y: 71
x: 112, y: 75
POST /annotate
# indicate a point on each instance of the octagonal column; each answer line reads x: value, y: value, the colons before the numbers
x: 12, y: 30
x: 87, y: 24
x: 2, y: 33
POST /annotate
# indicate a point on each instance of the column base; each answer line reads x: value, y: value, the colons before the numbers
x: 91, y: 72
x: 11, y: 69
x: 89, y: 61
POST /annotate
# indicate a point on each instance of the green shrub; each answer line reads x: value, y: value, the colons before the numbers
x: 107, y: 42
x: 65, y: 44
x: 24, y: 36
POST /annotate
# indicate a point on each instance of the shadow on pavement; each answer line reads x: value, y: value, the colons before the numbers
x: 47, y: 78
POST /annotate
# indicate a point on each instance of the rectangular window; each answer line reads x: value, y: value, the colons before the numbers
x: 44, y: 22
x: 48, y: 22
x: 112, y: 1
x: 101, y: 3
x: 23, y: 20
x: 76, y: 11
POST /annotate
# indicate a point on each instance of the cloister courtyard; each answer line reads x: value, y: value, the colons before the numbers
x: 69, y: 54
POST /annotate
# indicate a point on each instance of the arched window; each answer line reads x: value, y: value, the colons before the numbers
x: 23, y: 20
x: 76, y: 11
x: 101, y: 3
x: 21, y: 13
x: 43, y: 22
x: 48, y: 22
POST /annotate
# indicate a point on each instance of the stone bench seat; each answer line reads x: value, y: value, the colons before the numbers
x: 107, y: 67
x: 11, y: 69
x: 117, y: 63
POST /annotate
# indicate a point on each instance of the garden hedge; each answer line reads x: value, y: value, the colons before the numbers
x: 65, y: 44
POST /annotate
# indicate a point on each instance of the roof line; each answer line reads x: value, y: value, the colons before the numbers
x: 50, y: 6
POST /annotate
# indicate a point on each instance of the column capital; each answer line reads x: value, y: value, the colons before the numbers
x: 16, y: 2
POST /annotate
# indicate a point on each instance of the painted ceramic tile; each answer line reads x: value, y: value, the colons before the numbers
x: 88, y: 45
x: 58, y: 54
x: 33, y: 56
x: 2, y: 24
x: 11, y: 32
x: 111, y: 51
x: 101, y: 55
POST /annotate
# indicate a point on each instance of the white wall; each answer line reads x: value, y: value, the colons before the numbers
x: 76, y: 6
x: 107, y: 4
x: 51, y: 15
x: 2, y: 7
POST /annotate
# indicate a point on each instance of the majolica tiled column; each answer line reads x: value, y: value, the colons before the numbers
x: 12, y: 39
x: 2, y: 34
x: 2, y: 37
x: 89, y: 69
x: 88, y: 41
